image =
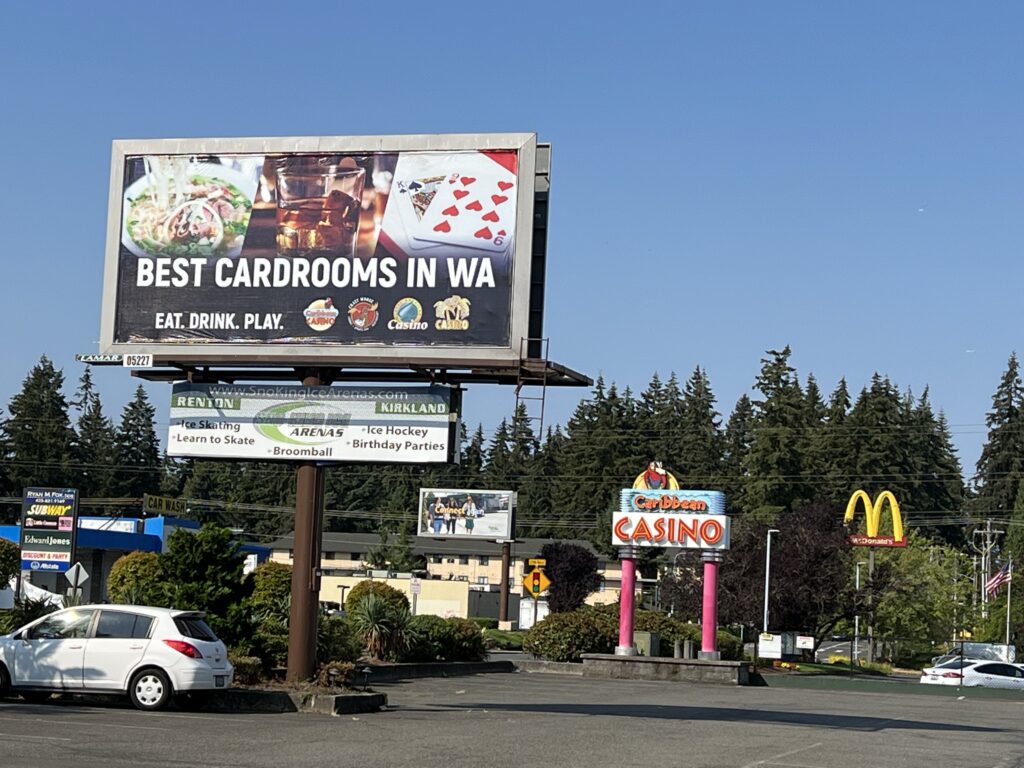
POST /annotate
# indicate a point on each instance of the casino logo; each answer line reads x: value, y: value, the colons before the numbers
x: 320, y: 314
x: 452, y: 314
x: 363, y: 314
x: 407, y: 316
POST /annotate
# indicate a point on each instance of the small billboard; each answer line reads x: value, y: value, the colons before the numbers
x: 449, y: 513
x: 413, y: 424
x: 48, y: 528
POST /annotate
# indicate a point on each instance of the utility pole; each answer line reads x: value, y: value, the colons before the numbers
x: 985, y: 550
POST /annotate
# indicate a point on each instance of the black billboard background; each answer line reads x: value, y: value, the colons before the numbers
x: 488, y: 321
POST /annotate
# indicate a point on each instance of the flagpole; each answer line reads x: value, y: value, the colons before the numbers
x: 1009, y: 588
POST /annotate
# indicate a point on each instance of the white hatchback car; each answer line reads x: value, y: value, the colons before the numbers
x: 151, y: 654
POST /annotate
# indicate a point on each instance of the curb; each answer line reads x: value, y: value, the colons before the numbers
x: 247, y: 700
x: 389, y: 673
x: 549, y: 667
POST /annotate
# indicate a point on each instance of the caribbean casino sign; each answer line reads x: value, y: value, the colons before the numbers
x: 655, y: 513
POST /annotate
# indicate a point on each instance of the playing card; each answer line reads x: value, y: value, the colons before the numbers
x: 413, y: 198
x: 475, y: 207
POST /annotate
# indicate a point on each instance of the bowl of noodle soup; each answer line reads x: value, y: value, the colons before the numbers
x: 179, y: 207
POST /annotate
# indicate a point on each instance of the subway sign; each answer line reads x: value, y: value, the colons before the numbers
x: 671, y: 518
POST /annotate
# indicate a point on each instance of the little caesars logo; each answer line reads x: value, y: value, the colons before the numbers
x: 452, y: 314
x: 320, y: 314
x: 407, y: 316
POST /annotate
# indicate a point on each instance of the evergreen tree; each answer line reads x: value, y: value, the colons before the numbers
x: 815, y: 460
x: 836, y: 445
x: 739, y: 436
x: 138, y: 449
x: 1002, y: 457
x: 701, y: 451
x: 536, y: 513
x: 774, y: 464
x: 95, y: 448
x: 499, y: 468
x: 884, y: 461
x: 37, y: 439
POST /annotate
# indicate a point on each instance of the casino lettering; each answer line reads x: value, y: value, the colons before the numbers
x: 703, y: 531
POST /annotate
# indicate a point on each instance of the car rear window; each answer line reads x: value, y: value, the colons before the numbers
x: 194, y: 627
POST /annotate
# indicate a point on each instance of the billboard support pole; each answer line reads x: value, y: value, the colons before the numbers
x: 306, y: 563
x: 627, y: 597
x: 506, y: 562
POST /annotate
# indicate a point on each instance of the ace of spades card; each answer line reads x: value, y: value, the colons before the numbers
x: 474, y: 208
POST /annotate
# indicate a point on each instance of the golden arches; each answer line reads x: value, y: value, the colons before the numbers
x: 873, y: 512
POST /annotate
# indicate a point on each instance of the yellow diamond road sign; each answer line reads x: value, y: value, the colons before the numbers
x: 536, y: 583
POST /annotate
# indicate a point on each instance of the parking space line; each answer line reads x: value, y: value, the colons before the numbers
x: 25, y: 736
x: 771, y: 760
x: 65, y: 722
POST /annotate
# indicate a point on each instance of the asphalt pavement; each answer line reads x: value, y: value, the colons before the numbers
x: 541, y: 719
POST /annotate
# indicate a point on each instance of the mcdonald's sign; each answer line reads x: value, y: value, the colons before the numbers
x: 873, y: 513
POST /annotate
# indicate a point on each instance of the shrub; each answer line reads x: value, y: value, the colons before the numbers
x: 10, y: 561
x: 336, y: 639
x: 505, y: 641
x: 25, y: 611
x: 272, y: 590
x: 484, y: 622
x: 385, y: 629
x: 336, y: 674
x: 248, y: 669
x: 437, y: 639
x: 137, y: 579
x: 385, y: 592
x: 567, y: 636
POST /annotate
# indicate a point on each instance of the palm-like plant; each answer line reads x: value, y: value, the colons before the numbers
x: 384, y: 629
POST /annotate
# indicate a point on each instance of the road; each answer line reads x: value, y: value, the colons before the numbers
x: 541, y: 719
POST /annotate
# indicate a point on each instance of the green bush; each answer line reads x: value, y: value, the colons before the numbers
x: 484, y: 622
x: 10, y: 561
x: 437, y: 639
x: 385, y: 592
x: 505, y: 641
x: 272, y: 589
x: 248, y: 669
x: 567, y: 636
x: 336, y: 639
x: 25, y: 611
x: 137, y: 579
x: 385, y: 629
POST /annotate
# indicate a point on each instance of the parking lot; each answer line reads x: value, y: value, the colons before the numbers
x: 535, y: 719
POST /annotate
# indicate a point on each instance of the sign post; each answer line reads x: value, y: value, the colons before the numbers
x: 536, y: 582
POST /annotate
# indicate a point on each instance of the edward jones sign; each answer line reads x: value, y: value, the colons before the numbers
x: 671, y: 518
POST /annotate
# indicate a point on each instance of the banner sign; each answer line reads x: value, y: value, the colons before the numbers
x: 378, y: 424
x: 671, y: 518
x: 333, y: 249
x: 48, y: 527
x: 447, y: 513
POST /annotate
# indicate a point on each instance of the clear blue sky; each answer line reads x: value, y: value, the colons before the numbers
x: 728, y: 177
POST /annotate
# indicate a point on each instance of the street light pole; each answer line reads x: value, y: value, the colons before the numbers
x: 856, y: 617
x: 767, y: 573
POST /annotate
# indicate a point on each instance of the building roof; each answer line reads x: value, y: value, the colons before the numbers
x: 363, y: 542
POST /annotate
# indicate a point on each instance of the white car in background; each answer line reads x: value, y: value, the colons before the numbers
x: 150, y: 654
x: 970, y: 673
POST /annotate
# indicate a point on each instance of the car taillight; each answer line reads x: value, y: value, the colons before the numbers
x: 186, y: 648
x: 951, y: 674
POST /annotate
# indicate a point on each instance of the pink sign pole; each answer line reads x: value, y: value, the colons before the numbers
x: 709, y: 619
x: 627, y: 599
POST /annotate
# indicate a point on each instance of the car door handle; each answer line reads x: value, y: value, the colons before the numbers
x: 75, y: 647
x: 136, y: 647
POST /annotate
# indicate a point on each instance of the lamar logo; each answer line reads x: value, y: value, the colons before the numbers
x: 452, y: 314
x: 873, y: 513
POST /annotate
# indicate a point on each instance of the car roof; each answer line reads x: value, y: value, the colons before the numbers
x: 145, y: 610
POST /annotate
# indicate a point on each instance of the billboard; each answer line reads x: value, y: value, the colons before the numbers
x: 671, y: 518
x: 453, y: 513
x: 48, y: 528
x: 413, y: 424
x: 380, y: 249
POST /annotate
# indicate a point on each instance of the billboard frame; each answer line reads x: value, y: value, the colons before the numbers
x: 525, y: 145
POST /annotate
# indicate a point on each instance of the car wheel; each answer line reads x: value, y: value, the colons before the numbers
x: 193, y: 700
x: 5, y: 681
x: 150, y: 689
x: 36, y: 697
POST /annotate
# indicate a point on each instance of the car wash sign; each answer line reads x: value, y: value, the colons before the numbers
x: 49, y: 519
x: 671, y: 518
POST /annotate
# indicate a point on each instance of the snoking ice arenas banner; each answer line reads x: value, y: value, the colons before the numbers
x: 333, y: 249
x: 327, y: 424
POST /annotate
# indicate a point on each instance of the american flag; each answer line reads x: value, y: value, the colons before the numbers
x: 1003, y: 576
